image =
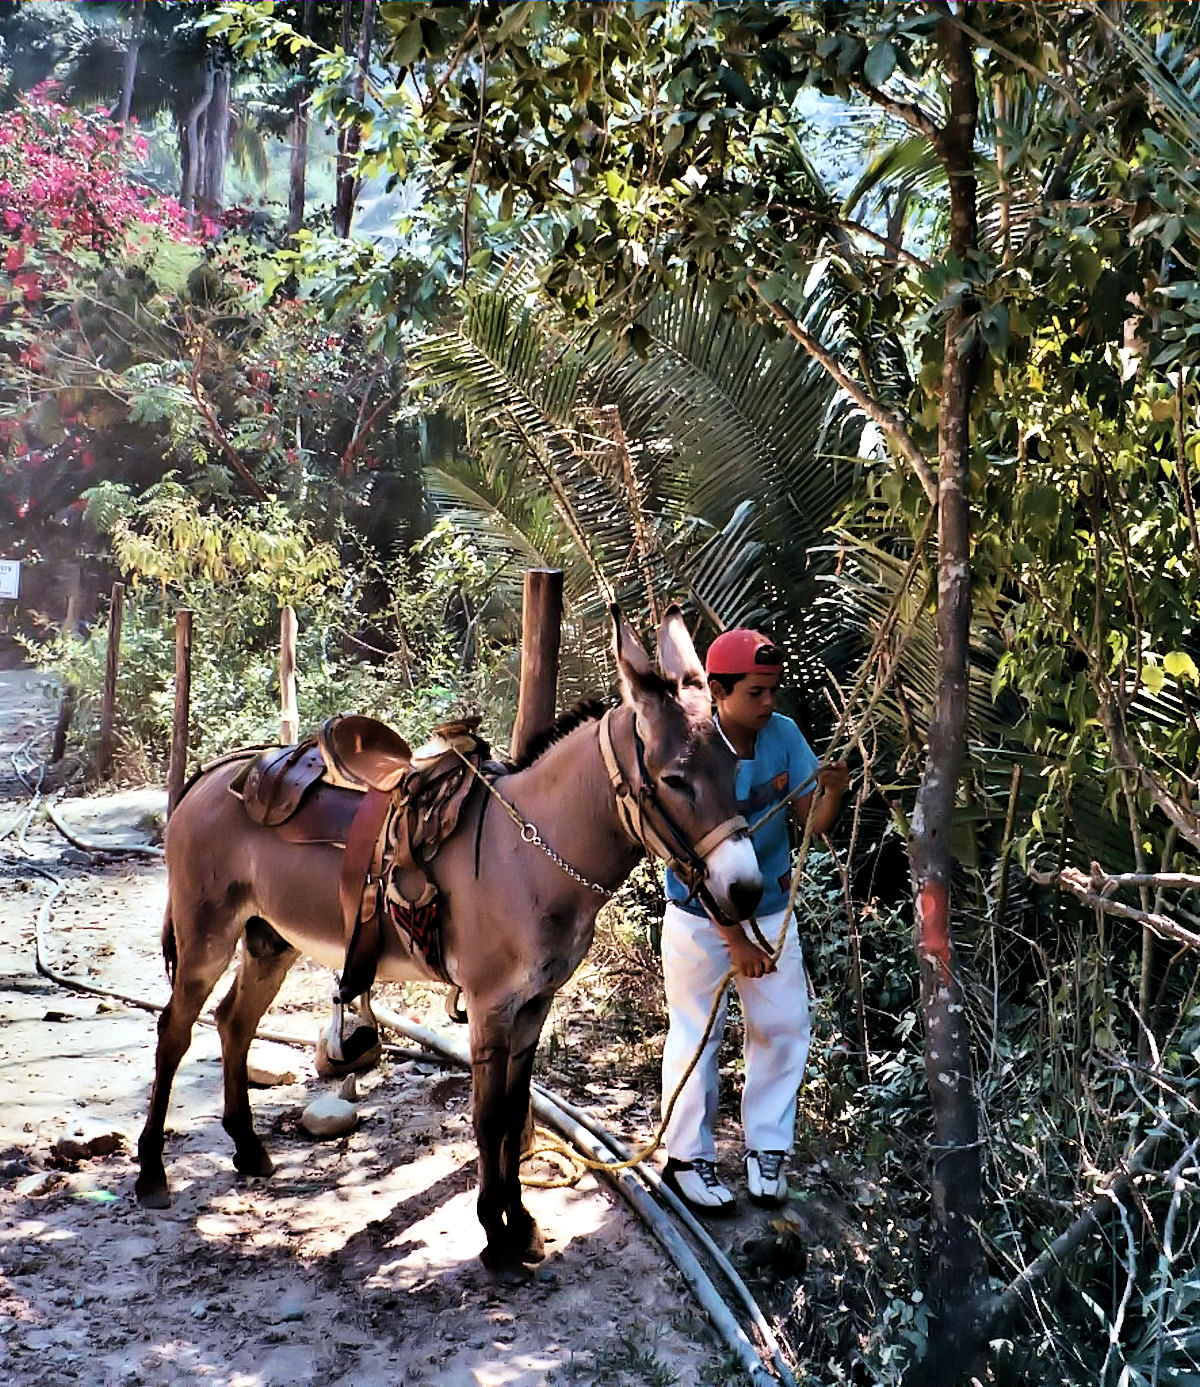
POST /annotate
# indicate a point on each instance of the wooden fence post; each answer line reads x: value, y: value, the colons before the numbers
x: 541, y: 636
x: 66, y: 711
x: 177, y: 769
x: 66, y: 704
x: 289, y: 718
x: 109, y: 707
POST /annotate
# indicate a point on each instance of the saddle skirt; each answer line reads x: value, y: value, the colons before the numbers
x: 357, y: 785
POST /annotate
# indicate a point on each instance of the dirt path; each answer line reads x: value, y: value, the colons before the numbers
x: 357, y: 1262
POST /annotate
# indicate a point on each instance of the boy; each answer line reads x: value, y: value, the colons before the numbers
x: 744, y: 669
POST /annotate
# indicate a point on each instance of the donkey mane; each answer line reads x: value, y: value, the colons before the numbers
x: 581, y: 711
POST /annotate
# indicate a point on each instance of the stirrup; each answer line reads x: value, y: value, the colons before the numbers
x: 341, y: 1051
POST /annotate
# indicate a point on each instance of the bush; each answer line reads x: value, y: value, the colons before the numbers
x: 236, y: 573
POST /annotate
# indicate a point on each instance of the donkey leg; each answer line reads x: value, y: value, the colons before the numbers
x: 194, y: 978
x: 500, y: 1077
x: 266, y: 958
x: 524, y: 1234
x: 490, y: 1039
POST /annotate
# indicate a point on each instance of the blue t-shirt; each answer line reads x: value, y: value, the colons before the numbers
x: 782, y: 762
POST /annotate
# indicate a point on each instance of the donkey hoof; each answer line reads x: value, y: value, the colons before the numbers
x: 535, y: 1246
x: 254, y: 1162
x: 505, y: 1265
x: 152, y: 1192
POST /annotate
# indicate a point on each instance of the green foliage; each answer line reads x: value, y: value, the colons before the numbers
x: 235, y: 572
x: 649, y: 147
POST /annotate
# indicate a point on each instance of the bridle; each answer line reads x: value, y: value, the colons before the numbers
x: 643, y: 818
x: 651, y: 826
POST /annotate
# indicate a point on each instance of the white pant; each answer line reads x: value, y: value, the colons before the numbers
x: 776, y: 1036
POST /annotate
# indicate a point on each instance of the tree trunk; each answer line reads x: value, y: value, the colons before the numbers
x: 957, y: 1273
x: 215, y: 145
x: 129, y: 70
x: 350, y: 137
x: 192, y: 150
x: 298, y: 163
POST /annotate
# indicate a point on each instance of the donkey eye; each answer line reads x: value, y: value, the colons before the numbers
x: 680, y: 784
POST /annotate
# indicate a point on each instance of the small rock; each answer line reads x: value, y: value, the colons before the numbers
x: 200, y: 1310
x: 270, y: 1066
x: 41, y: 1182
x: 349, y: 1089
x: 329, y: 1116
x: 87, y: 1139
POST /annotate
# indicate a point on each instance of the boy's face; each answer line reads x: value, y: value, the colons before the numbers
x: 750, y: 703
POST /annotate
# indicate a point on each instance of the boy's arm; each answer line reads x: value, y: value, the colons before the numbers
x: 832, y: 781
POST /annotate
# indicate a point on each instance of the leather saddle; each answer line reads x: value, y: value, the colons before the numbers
x: 358, y: 785
x: 311, y: 791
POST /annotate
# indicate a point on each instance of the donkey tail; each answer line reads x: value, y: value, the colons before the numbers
x: 169, y: 947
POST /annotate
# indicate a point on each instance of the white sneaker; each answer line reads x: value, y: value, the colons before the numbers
x: 698, y: 1185
x: 766, y: 1179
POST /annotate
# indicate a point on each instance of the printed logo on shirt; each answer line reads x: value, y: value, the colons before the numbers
x: 769, y: 792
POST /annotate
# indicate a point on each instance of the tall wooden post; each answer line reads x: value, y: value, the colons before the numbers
x: 541, y: 635
x: 183, y: 700
x: 109, y: 706
x: 66, y: 711
x: 289, y: 718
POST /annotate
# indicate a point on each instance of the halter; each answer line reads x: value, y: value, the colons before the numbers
x: 663, y: 839
x: 686, y: 860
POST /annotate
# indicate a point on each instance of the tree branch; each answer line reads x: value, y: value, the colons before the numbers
x: 1184, y: 820
x: 1084, y: 889
x: 859, y: 229
x: 1070, y: 1239
x: 891, y: 425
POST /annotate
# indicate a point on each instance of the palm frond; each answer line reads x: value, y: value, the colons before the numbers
x: 709, y: 468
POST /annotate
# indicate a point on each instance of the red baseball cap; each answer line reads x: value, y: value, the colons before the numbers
x: 742, y: 651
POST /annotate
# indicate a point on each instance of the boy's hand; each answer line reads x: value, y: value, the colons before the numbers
x: 747, y: 959
x: 834, y: 778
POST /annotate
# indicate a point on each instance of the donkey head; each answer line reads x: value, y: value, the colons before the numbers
x: 685, y: 768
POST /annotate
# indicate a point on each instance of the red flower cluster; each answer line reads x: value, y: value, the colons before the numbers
x: 65, y: 186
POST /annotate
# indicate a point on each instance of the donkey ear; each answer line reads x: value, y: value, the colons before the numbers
x: 676, y: 653
x: 633, y: 664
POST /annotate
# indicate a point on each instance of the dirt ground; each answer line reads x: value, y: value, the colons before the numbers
x: 357, y: 1262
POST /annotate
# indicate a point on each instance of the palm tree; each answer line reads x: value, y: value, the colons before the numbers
x: 711, y: 467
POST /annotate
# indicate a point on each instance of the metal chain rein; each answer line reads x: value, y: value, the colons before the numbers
x: 530, y: 834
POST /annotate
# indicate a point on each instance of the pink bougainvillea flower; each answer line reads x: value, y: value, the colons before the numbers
x: 30, y: 285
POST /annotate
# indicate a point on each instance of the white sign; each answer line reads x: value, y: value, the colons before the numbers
x: 10, y: 577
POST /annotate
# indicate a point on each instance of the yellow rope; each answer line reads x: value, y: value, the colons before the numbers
x: 550, y: 1145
